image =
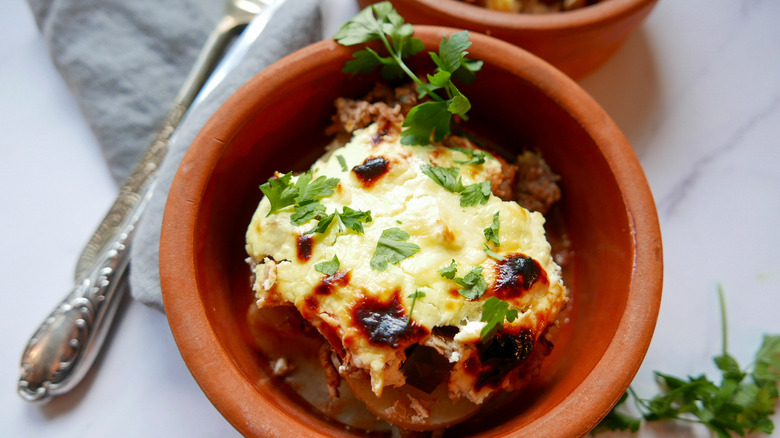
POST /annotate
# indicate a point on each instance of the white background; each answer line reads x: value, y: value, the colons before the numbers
x: 696, y: 91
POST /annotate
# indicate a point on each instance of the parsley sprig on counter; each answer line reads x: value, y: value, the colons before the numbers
x: 742, y: 403
x: 380, y: 22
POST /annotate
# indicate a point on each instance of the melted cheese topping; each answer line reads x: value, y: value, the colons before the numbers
x: 406, y: 198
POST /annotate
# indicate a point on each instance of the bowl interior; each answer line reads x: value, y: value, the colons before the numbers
x: 277, y: 122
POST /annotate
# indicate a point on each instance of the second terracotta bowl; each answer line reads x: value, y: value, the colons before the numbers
x: 277, y: 121
x: 577, y: 42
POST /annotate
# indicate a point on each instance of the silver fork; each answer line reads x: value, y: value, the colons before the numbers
x: 66, y: 344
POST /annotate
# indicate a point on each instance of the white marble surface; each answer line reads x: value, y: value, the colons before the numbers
x: 696, y: 91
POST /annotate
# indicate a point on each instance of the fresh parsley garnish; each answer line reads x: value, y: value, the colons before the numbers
x: 312, y: 190
x: 414, y: 296
x: 342, y: 163
x: 282, y: 193
x: 490, y: 253
x: 742, y: 403
x: 449, y: 271
x: 380, y: 22
x: 494, y: 312
x: 347, y: 219
x: 447, y: 177
x: 473, y: 283
x: 491, y: 232
x: 354, y: 219
x: 306, y: 212
x: 474, y: 156
x: 477, y: 193
x: 329, y: 267
x: 391, y: 248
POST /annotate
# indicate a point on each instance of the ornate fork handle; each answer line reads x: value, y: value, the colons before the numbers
x: 67, y: 343
x: 64, y: 347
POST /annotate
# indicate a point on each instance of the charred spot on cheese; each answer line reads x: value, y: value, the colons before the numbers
x: 326, y: 286
x: 305, y: 246
x: 371, y: 170
x: 385, y: 322
x: 516, y: 275
x: 499, y: 356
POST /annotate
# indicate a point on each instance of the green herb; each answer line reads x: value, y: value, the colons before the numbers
x: 348, y: 218
x: 306, y: 212
x: 742, y: 403
x: 449, y: 271
x: 475, y: 156
x: 494, y: 312
x: 343, y: 163
x: 391, y: 248
x: 490, y: 253
x: 354, y: 219
x: 473, y: 283
x: 477, y: 193
x: 329, y: 267
x: 414, y: 297
x: 491, y: 232
x: 447, y: 177
x: 282, y: 193
x: 310, y: 191
x: 380, y: 22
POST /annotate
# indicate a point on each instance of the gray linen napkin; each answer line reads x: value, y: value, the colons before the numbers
x: 125, y: 61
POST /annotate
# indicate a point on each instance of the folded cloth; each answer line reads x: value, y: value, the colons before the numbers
x: 125, y: 61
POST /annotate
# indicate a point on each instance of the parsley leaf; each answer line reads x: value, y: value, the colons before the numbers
x: 491, y: 232
x: 742, y: 403
x: 348, y: 218
x: 494, y: 312
x: 473, y: 283
x: 323, y: 224
x: 414, y: 296
x: 475, y: 156
x: 343, y: 163
x: 391, y: 248
x: 425, y: 120
x: 490, y: 253
x: 446, y: 177
x: 306, y: 212
x: 354, y: 219
x: 449, y: 271
x: 380, y: 22
x: 309, y: 190
x: 477, y: 193
x: 280, y: 192
x: 329, y: 267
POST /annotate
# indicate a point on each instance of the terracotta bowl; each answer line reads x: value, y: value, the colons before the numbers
x: 577, y: 41
x: 276, y: 122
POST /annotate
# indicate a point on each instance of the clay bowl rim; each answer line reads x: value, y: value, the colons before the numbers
x: 462, y: 14
x: 229, y: 390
